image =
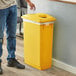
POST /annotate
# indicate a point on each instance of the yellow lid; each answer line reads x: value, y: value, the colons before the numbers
x: 39, y: 17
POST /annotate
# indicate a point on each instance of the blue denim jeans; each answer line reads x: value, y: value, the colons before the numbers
x: 8, y: 20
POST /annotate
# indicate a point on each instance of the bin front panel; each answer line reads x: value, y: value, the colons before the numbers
x: 31, y: 43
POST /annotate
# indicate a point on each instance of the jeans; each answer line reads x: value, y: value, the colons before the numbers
x: 8, y: 20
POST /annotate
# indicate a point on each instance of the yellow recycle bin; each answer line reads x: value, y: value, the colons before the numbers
x: 38, y: 39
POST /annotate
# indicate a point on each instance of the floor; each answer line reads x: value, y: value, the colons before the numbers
x: 29, y: 71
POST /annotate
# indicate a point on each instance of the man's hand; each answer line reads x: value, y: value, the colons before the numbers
x: 32, y: 6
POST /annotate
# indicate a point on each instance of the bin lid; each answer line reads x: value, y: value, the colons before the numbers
x: 39, y: 17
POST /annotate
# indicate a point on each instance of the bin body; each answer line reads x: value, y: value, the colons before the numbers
x: 38, y: 39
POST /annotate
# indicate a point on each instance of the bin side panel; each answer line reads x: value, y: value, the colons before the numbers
x: 46, y: 39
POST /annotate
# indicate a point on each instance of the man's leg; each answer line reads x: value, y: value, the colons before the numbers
x: 11, y: 32
x: 11, y: 38
x: 3, y: 15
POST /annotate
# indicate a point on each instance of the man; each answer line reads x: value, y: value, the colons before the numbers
x: 8, y: 19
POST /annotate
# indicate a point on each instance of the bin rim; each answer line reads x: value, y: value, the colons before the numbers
x: 45, y: 23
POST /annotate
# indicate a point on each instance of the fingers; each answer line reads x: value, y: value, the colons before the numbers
x: 33, y: 7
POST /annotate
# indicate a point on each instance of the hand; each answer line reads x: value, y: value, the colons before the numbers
x: 32, y: 6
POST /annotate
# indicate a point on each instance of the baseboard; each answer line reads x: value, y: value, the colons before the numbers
x: 64, y: 66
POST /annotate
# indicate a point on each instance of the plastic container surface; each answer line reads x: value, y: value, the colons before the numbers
x: 38, y: 39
